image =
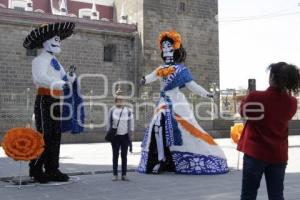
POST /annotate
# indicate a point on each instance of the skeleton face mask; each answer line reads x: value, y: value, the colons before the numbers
x: 53, y: 45
x: 168, y: 51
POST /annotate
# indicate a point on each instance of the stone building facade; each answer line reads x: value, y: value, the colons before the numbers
x: 132, y: 52
x: 85, y: 49
x: 195, y: 20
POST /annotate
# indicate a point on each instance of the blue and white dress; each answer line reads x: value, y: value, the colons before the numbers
x: 192, y: 150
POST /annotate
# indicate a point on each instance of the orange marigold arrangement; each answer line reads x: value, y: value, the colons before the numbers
x: 172, y: 34
x: 165, y: 71
x: 236, y: 132
x: 23, y: 144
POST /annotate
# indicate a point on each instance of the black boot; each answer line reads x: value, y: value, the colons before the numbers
x: 38, y: 175
x: 58, y: 176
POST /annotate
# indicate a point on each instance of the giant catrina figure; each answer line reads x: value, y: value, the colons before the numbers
x: 51, y: 81
x: 174, y: 141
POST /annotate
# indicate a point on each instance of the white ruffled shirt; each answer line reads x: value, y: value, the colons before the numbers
x: 47, y: 72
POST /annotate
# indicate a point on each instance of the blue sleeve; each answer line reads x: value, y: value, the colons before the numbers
x: 185, y: 76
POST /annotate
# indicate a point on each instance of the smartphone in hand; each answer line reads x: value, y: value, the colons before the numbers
x: 251, y: 85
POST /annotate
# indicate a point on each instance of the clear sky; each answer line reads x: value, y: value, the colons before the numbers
x: 253, y: 34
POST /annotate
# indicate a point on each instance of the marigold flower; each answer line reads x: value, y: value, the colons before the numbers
x: 236, y: 132
x: 23, y: 144
x: 172, y: 34
x: 165, y: 71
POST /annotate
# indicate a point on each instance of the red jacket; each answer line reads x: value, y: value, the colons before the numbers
x: 266, y: 139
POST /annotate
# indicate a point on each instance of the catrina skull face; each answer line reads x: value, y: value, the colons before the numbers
x: 168, y: 49
x: 53, y: 45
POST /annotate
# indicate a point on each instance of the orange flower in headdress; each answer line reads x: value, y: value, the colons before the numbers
x: 165, y: 71
x: 236, y: 132
x: 23, y: 144
x: 173, y: 35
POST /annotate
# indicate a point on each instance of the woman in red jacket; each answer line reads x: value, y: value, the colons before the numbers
x: 265, y: 137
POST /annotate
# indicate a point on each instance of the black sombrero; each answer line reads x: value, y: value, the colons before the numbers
x: 38, y: 36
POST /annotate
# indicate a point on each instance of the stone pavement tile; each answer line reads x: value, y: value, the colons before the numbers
x: 149, y: 187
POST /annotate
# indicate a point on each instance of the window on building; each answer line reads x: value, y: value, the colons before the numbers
x: 87, y: 13
x: 31, y: 52
x: 124, y: 19
x: 109, y: 51
x: 182, y: 7
x: 19, y: 8
x: 63, y: 10
x: 86, y: 17
x: 17, y: 4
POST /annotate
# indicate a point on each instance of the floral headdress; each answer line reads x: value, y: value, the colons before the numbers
x: 172, y: 34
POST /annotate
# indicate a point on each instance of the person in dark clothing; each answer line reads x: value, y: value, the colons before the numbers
x: 264, y: 140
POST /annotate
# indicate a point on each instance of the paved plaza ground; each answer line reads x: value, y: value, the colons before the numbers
x: 91, y: 164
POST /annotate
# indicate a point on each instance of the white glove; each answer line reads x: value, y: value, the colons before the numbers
x: 72, y: 78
